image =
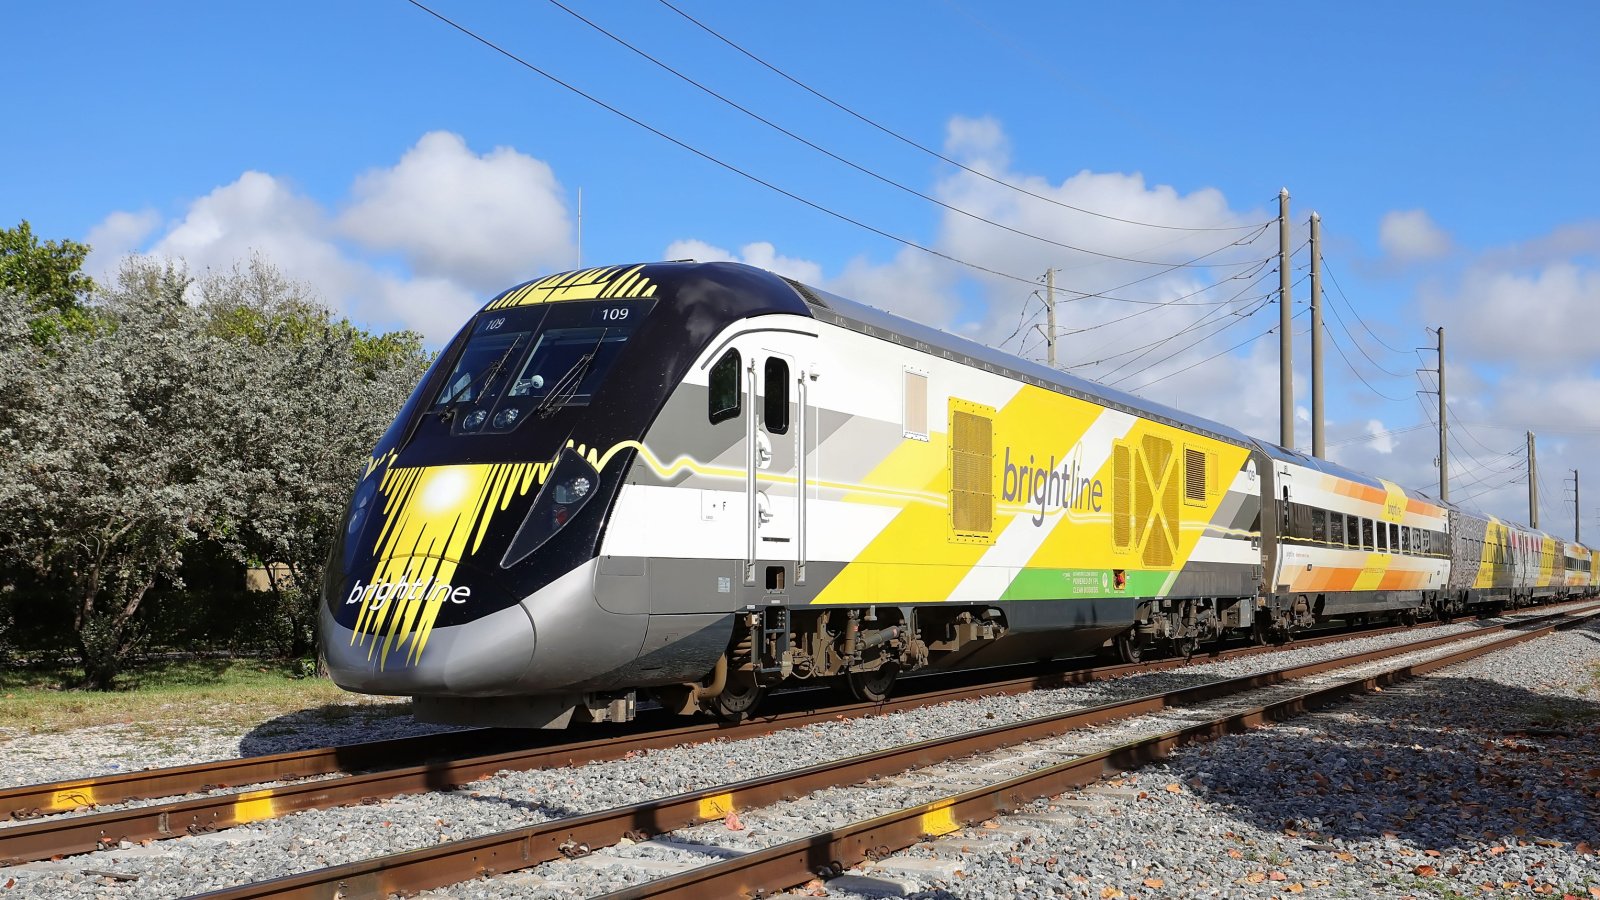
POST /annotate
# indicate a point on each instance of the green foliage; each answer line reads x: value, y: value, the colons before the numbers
x: 48, y: 277
x: 229, y: 414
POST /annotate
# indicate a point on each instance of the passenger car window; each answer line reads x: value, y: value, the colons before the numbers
x: 775, y: 400
x: 723, y: 396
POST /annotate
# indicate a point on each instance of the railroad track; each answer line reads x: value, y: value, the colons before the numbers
x: 797, y: 861
x: 37, y: 801
x: 443, y: 766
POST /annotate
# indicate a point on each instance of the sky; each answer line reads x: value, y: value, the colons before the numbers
x: 931, y: 158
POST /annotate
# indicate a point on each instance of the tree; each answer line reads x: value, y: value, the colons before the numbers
x: 318, y: 393
x: 48, y: 278
x: 116, y: 457
x: 234, y: 410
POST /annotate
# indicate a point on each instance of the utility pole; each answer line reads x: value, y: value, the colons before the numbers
x: 1576, y: 536
x: 1444, y: 428
x: 1050, y: 316
x: 1317, y: 448
x: 1285, y: 331
x: 1533, y: 484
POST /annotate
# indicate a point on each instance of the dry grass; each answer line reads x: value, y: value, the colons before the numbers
x: 159, y: 697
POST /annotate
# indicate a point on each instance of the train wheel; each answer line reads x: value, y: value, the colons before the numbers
x: 1128, y: 648
x: 739, y: 698
x: 1185, y: 647
x: 874, y: 685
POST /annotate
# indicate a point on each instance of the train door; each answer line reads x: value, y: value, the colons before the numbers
x: 778, y: 443
x: 1288, y: 559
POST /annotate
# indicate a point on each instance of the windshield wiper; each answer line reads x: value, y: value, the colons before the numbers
x: 566, y: 387
x: 488, y: 376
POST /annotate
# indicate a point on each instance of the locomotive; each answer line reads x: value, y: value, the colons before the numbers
x: 698, y: 482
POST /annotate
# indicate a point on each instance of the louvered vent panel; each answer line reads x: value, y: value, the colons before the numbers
x: 971, y: 476
x: 1194, y: 475
x: 1121, y: 497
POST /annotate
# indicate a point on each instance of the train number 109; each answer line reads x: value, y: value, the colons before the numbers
x: 613, y: 314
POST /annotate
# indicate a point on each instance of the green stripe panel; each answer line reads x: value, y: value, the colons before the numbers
x: 1066, y: 584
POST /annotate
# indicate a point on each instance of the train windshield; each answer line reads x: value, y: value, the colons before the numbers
x: 531, y: 363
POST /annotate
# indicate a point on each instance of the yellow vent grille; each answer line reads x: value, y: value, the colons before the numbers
x: 971, y: 474
x: 1194, y: 475
x: 1121, y: 497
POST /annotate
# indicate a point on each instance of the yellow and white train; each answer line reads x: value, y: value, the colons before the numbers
x: 702, y: 481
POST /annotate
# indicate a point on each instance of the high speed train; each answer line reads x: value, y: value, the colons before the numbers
x: 697, y: 482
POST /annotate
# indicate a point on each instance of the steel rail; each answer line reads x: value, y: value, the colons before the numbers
x: 62, y: 836
x: 831, y: 852
x: 69, y: 835
x: 434, y: 867
x: 36, y: 800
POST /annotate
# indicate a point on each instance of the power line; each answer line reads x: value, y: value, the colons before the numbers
x: 1372, y: 436
x: 712, y: 159
x: 1239, y: 319
x: 1334, y: 341
x: 1197, y: 323
x: 928, y: 150
x: 1213, y: 356
x: 1352, y: 307
x: 863, y: 169
x: 1357, y: 344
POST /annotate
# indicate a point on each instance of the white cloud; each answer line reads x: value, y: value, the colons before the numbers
x: 1410, y: 235
x: 115, y: 237
x: 485, y: 221
x: 1382, y: 441
x: 1537, y: 320
x: 462, y: 226
x: 761, y: 254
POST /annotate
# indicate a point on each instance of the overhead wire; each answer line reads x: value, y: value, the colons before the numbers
x: 1231, y: 300
x: 863, y: 169
x: 1352, y: 307
x: 1372, y: 436
x: 1239, y: 318
x: 1212, y: 356
x: 907, y: 242
x: 1335, y: 342
x: 928, y: 150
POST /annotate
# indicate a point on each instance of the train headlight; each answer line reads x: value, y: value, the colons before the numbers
x: 474, y: 420
x: 507, y: 417
x: 570, y: 485
x: 573, y: 489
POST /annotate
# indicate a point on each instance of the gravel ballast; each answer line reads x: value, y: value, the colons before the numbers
x: 309, y: 840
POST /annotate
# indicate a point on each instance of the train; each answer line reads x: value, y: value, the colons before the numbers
x: 693, y: 483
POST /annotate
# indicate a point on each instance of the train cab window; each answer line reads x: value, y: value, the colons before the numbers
x: 1319, y: 525
x: 724, y: 394
x: 1394, y: 538
x: 1366, y: 535
x: 775, y: 401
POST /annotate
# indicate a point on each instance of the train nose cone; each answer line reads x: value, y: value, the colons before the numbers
x: 412, y: 642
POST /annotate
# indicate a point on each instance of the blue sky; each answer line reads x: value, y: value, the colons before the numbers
x: 405, y: 172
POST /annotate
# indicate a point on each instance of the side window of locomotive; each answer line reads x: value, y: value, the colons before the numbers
x: 775, y: 405
x: 1336, y: 529
x: 914, y: 403
x: 724, y: 395
x: 1405, y: 539
x: 1394, y: 538
x: 1366, y: 535
x: 1319, y: 525
x: 1383, y: 538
